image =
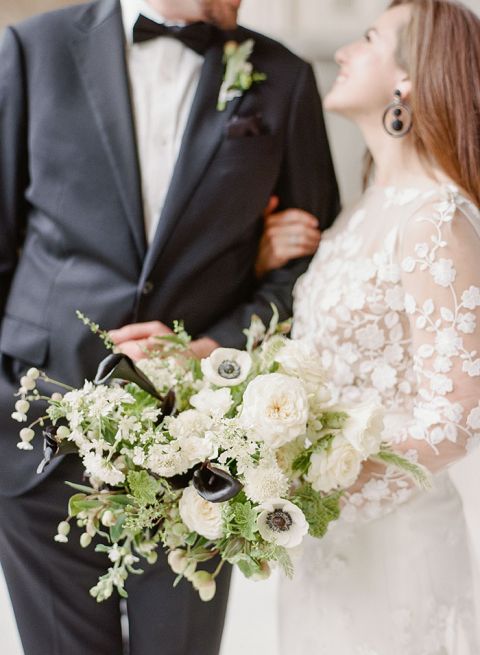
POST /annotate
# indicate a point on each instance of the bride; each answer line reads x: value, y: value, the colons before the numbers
x: 392, y: 303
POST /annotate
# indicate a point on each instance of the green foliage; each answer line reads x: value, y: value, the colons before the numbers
x: 143, y: 487
x: 81, y: 503
x: 96, y: 329
x: 241, y: 518
x: 301, y: 464
x: 333, y: 420
x: 319, y: 510
x: 417, y: 472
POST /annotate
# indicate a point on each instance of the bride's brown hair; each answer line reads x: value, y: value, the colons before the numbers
x: 440, y: 50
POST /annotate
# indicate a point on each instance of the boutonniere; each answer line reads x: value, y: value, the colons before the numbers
x: 239, y: 74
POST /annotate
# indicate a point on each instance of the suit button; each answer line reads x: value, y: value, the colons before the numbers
x: 148, y: 288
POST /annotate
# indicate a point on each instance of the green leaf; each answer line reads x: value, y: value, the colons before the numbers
x: 284, y: 560
x: 417, y: 472
x: 244, y: 520
x: 80, y: 503
x: 301, y: 464
x: 143, y: 487
x: 247, y: 565
x: 116, y: 531
x: 81, y: 487
x: 319, y: 510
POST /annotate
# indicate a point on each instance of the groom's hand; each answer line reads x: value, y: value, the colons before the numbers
x: 136, y: 339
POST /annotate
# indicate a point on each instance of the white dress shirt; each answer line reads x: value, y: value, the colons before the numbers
x: 164, y: 76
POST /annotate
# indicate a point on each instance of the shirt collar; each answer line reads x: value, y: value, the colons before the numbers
x: 131, y: 9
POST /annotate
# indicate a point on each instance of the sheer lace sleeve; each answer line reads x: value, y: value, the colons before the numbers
x: 439, y: 256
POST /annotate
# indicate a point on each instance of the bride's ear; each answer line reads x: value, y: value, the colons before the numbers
x: 405, y: 87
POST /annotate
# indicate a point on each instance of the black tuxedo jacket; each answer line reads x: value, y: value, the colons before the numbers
x: 71, y: 225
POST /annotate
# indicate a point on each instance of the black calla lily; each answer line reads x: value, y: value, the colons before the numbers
x: 214, y: 484
x: 52, y: 448
x: 169, y: 403
x: 121, y: 367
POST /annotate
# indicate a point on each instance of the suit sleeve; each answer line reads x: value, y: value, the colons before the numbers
x: 306, y: 181
x: 13, y: 159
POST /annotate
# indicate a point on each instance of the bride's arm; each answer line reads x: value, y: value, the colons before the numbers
x: 440, y: 261
x: 287, y: 235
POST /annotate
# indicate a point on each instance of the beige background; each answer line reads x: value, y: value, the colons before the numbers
x: 313, y: 28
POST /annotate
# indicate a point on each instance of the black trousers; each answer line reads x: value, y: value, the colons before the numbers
x: 49, y: 582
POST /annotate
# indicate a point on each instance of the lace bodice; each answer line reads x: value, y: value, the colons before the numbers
x: 392, y: 302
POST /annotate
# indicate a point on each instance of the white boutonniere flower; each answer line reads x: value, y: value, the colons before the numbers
x: 239, y: 73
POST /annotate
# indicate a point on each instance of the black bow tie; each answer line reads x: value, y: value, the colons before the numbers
x: 197, y: 36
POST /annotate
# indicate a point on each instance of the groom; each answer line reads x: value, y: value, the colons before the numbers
x: 127, y: 194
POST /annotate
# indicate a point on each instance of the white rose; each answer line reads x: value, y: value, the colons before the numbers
x: 301, y: 359
x: 214, y: 403
x: 226, y: 367
x: 275, y: 409
x: 334, y: 468
x: 201, y: 516
x: 363, y: 428
x: 282, y: 523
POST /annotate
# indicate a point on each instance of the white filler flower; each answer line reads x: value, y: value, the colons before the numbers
x: 282, y: 523
x: 201, y: 516
x: 275, y: 409
x: 336, y: 467
x: 226, y: 367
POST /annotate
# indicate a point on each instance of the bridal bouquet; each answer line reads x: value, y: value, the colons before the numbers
x: 233, y: 458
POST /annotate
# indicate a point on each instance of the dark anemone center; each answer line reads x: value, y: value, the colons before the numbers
x: 229, y: 370
x: 279, y: 521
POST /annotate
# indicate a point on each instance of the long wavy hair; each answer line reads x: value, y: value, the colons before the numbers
x: 440, y: 51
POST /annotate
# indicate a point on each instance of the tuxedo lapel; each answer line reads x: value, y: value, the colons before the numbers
x: 202, y: 137
x: 99, y: 50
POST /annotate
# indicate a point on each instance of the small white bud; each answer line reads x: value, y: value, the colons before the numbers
x: 63, y: 528
x: 207, y: 592
x: 63, y: 432
x: 56, y: 396
x: 22, y: 406
x: 201, y: 579
x: 33, y: 373
x: 178, y: 561
x: 85, y: 540
x: 26, y: 434
x: 108, y: 518
x: 20, y: 418
x: 28, y: 383
x: 152, y: 557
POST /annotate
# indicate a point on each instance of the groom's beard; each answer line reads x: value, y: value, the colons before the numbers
x: 219, y: 13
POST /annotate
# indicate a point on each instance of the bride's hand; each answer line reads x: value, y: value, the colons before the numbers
x: 287, y: 235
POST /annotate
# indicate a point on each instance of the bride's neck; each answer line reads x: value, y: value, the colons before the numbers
x: 397, y: 162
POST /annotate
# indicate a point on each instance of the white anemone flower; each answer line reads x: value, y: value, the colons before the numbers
x: 226, y: 367
x: 282, y: 523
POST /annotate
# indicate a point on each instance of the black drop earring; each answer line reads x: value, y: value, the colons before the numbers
x: 397, y: 118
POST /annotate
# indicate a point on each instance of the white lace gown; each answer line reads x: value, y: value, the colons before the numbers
x: 392, y: 302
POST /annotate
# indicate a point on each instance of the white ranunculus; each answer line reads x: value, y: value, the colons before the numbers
x: 300, y: 358
x: 363, y: 428
x: 275, y: 409
x: 337, y: 467
x: 201, y: 516
x: 190, y: 423
x: 282, y: 523
x: 197, y: 449
x: 226, y: 367
x: 214, y: 403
